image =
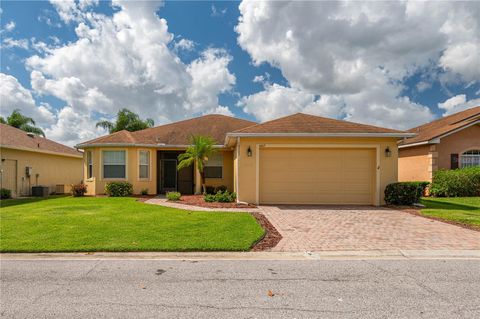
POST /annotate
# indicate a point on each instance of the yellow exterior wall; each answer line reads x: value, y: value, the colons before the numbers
x: 52, y: 169
x: 247, y: 184
x: 96, y: 184
x: 414, y: 164
x: 227, y: 176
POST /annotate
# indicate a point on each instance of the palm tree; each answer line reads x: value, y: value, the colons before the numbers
x: 198, y: 152
x: 20, y: 121
x: 126, y: 120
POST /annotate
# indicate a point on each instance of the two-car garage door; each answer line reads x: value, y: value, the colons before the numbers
x: 317, y: 176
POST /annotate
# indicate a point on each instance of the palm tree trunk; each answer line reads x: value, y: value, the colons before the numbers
x: 202, y: 180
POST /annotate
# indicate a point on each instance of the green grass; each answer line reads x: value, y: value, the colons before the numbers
x: 464, y: 210
x: 68, y: 224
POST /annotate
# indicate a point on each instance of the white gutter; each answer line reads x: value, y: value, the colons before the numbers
x: 400, y: 134
x: 159, y: 146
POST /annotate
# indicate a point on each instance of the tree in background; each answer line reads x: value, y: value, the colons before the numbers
x: 200, y: 149
x: 126, y: 120
x: 20, y: 121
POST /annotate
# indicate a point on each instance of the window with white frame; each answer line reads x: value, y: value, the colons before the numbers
x: 89, y: 164
x: 144, y: 164
x: 470, y: 158
x: 214, y: 166
x: 114, y: 164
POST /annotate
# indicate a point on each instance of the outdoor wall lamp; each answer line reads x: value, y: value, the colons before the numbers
x: 388, y: 152
x: 249, y: 152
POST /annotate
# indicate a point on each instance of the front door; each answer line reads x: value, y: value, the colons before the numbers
x: 169, y: 175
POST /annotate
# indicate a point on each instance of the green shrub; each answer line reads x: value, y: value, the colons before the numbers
x: 221, y: 188
x: 225, y: 197
x: 5, y: 193
x: 144, y: 191
x: 463, y: 182
x: 210, y: 190
x: 79, y: 190
x: 119, y: 189
x: 404, y: 193
x: 173, y: 196
x: 209, y: 198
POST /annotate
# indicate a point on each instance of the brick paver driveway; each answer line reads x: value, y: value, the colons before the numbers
x: 317, y: 228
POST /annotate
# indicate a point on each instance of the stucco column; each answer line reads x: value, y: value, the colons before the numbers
x: 432, y: 161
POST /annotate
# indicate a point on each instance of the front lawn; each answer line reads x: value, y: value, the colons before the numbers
x: 462, y: 210
x: 68, y: 224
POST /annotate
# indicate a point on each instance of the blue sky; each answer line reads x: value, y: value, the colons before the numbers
x: 255, y: 61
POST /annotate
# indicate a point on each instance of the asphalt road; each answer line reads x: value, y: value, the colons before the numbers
x: 240, y: 289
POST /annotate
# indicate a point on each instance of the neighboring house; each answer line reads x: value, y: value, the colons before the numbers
x: 298, y: 159
x: 28, y: 160
x: 449, y: 143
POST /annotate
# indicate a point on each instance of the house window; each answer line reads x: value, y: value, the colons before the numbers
x: 144, y: 164
x: 89, y: 164
x: 114, y: 164
x: 470, y: 158
x: 214, y: 166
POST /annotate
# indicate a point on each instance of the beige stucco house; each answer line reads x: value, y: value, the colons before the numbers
x: 301, y: 158
x: 28, y: 160
x: 447, y: 143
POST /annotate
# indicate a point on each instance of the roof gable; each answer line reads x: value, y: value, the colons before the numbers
x: 311, y: 124
x: 442, y: 126
x: 11, y: 137
x: 177, y: 133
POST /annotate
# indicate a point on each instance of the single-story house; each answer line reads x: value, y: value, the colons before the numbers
x: 449, y: 143
x: 297, y: 159
x: 29, y: 160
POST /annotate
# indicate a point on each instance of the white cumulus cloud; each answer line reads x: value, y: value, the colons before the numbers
x: 125, y: 61
x: 14, y: 95
x: 457, y: 103
x: 362, y: 52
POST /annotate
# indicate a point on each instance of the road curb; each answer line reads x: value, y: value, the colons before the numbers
x: 321, y: 255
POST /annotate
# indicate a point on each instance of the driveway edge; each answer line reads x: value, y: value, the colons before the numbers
x: 322, y: 255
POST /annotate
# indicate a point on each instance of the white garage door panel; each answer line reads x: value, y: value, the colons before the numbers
x: 317, y: 176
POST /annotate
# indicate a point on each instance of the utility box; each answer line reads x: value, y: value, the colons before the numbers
x: 40, y: 191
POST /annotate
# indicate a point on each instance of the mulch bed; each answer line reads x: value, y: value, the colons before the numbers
x: 197, y: 200
x: 271, y: 238
x: 416, y: 211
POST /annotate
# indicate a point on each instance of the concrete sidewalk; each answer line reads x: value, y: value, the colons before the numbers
x: 321, y: 255
x: 162, y: 201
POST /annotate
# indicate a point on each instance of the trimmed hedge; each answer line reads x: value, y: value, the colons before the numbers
x: 221, y: 197
x: 5, y: 193
x: 462, y: 182
x: 405, y: 193
x: 119, y: 189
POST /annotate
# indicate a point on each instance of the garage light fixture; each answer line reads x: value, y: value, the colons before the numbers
x: 388, y: 152
x: 249, y: 152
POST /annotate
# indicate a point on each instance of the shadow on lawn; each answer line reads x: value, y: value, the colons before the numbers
x: 27, y: 200
x: 432, y: 204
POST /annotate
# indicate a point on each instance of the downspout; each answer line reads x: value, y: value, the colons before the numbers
x: 237, y: 149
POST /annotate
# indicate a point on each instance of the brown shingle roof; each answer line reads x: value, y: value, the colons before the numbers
x: 178, y: 133
x: 443, y: 126
x: 15, y: 138
x: 305, y: 123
